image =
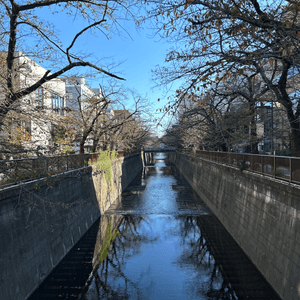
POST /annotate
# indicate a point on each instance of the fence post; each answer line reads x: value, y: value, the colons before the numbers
x: 274, y: 166
x: 16, y: 170
x: 290, y: 165
x: 262, y: 165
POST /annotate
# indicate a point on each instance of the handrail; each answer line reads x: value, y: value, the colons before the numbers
x: 167, y: 149
x: 24, y: 169
x: 285, y: 168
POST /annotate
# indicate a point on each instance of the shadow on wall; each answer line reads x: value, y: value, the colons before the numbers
x: 261, y: 213
x: 42, y: 220
x: 84, y: 259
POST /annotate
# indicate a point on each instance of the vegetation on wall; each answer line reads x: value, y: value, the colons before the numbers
x: 104, y: 163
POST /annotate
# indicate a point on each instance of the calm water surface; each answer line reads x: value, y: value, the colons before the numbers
x: 159, y: 242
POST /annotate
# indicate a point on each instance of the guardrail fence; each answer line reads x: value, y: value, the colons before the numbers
x: 281, y: 167
x: 21, y: 170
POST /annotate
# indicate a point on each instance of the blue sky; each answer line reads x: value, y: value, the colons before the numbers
x: 135, y: 55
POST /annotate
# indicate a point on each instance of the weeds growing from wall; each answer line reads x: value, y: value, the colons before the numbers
x: 104, y: 163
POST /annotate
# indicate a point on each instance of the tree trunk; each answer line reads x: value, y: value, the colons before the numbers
x: 295, y: 132
x: 81, y: 147
x: 224, y: 147
x: 295, y: 142
x: 286, y: 101
x: 95, y: 143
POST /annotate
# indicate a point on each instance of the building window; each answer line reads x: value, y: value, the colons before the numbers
x: 26, y: 129
x: 69, y: 96
x: 57, y: 103
x: 40, y: 97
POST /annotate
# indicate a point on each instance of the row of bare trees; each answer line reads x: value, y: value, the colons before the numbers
x: 24, y: 33
x: 231, y: 55
x: 227, y: 55
x: 82, y: 123
x: 103, y: 122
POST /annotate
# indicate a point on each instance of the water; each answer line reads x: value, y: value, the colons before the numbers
x: 159, y: 242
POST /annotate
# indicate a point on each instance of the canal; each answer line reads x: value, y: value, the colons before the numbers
x: 160, y: 241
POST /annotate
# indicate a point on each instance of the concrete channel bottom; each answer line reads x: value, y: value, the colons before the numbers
x: 160, y: 241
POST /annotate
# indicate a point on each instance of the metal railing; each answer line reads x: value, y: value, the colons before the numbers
x: 123, y: 153
x: 20, y: 170
x: 280, y: 167
x: 165, y: 149
x: 25, y: 169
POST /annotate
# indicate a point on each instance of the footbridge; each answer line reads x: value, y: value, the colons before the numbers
x: 160, y: 150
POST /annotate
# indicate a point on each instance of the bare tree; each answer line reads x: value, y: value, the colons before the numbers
x: 209, y: 124
x: 20, y: 19
x: 132, y: 127
x: 25, y: 37
x: 94, y: 121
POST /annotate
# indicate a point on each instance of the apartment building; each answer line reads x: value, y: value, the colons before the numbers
x: 54, y: 116
x: 30, y: 122
x: 272, y: 128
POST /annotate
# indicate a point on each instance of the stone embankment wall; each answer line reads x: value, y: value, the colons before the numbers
x: 262, y: 215
x: 40, y: 221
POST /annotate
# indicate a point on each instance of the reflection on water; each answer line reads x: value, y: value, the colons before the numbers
x: 159, y: 255
x: 169, y: 257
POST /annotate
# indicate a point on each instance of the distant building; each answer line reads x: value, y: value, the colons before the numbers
x: 79, y: 98
x: 77, y: 92
x: 272, y: 128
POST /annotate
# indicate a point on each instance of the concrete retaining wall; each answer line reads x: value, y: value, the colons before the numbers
x: 262, y: 214
x: 40, y: 221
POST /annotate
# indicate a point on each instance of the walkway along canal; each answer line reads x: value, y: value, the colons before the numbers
x: 159, y: 242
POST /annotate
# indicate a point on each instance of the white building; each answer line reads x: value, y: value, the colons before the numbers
x: 40, y: 109
x: 45, y: 113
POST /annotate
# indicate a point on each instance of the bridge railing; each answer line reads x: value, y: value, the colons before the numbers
x: 165, y: 149
x: 25, y: 169
x: 281, y: 167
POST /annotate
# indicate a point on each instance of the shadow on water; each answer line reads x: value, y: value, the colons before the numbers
x: 183, y: 252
